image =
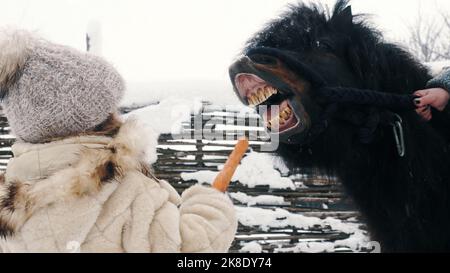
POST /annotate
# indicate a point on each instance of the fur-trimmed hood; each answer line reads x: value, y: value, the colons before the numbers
x: 42, y: 174
x: 97, y: 194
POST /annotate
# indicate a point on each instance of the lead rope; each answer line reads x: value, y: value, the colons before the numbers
x: 355, y: 96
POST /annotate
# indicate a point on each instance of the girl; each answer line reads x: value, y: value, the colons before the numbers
x: 78, y: 180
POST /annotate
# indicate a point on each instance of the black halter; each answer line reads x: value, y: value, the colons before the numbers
x: 375, y: 108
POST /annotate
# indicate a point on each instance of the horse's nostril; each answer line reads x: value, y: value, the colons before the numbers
x: 263, y: 59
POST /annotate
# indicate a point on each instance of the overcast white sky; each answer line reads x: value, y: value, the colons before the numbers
x: 154, y: 40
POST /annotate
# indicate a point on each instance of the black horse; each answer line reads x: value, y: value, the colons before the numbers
x: 341, y: 93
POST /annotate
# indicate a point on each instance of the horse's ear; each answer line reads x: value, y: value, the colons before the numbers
x: 343, y: 17
x: 347, y: 13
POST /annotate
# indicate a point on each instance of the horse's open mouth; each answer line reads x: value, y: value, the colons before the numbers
x: 278, y: 113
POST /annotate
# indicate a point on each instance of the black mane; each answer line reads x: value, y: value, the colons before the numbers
x: 405, y: 200
x: 366, y: 53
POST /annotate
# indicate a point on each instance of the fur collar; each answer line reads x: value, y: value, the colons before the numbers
x: 105, y: 162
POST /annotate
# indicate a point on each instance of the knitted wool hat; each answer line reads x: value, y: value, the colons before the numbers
x: 49, y: 90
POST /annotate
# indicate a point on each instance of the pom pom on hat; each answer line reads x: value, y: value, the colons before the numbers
x: 15, y: 46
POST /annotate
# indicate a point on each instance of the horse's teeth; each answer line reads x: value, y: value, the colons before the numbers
x: 269, y: 88
x: 281, y: 119
x: 269, y: 92
x: 285, y: 114
x: 261, y: 95
x: 252, y: 100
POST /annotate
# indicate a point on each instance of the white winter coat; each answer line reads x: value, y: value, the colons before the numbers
x: 94, y: 194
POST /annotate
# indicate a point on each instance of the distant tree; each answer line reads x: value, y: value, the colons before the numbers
x: 446, y: 19
x: 429, y: 38
x: 446, y: 36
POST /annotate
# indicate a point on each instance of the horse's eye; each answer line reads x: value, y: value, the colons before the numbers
x: 263, y: 59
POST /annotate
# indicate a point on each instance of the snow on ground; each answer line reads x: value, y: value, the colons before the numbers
x: 279, y: 218
x: 256, y: 169
x: 257, y: 200
x: 251, y: 247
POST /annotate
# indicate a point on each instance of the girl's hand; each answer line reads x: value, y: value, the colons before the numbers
x: 434, y: 97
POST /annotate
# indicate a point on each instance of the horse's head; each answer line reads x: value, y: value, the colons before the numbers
x: 287, y: 62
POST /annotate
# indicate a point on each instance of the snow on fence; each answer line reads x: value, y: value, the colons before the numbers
x: 314, y: 215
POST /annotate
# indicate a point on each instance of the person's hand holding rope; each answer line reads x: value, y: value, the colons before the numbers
x: 427, y: 98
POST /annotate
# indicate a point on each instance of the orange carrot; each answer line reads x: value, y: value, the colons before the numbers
x: 224, y: 177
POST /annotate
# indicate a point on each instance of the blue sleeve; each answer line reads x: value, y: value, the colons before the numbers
x: 442, y: 80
